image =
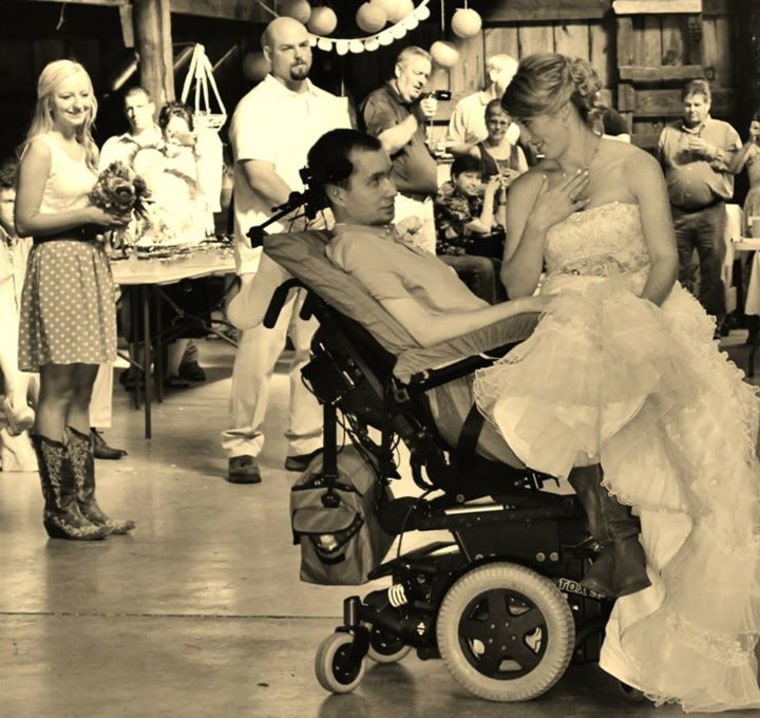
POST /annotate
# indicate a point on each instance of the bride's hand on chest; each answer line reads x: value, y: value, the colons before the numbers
x: 560, y: 198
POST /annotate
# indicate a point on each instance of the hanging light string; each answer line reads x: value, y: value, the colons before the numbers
x: 386, y: 36
x: 267, y: 8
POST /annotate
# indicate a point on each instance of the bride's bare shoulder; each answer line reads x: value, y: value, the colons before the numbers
x: 530, y: 181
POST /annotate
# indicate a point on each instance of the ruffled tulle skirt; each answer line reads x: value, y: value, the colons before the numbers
x: 608, y: 377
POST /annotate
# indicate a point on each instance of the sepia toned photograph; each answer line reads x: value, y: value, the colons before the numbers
x: 369, y: 358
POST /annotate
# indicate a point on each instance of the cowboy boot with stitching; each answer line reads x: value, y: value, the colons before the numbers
x: 62, y: 517
x: 80, y: 451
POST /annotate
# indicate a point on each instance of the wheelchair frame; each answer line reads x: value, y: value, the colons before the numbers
x: 501, y: 603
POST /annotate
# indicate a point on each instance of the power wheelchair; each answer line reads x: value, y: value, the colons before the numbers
x: 501, y: 602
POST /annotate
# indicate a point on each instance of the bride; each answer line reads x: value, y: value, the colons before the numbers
x: 621, y: 388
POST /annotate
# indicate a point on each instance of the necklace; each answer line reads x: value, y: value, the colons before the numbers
x: 587, y: 164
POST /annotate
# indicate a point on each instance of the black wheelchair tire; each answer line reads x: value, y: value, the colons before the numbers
x: 557, y: 632
x: 384, y: 647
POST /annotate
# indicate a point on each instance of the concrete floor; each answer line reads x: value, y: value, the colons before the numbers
x: 201, y: 613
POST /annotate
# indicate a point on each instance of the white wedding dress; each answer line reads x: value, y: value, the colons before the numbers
x: 609, y: 377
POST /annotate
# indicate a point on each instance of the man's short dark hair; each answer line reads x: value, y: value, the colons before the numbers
x: 328, y: 157
x: 700, y: 86
x: 465, y: 163
x: 8, y: 173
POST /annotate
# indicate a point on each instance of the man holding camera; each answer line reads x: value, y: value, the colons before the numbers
x: 396, y: 114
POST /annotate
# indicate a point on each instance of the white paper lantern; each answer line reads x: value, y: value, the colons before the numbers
x: 389, y: 6
x: 371, y: 45
x: 322, y: 21
x: 341, y: 47
x: 410, y: 22
x: 466, y: 22
x: 398, y: 31
x: 385, y: 38
x: 255, y: 66
x: 444, y: 53
x: 403, y: 8
x: 371, y: 18
x: 324, y: 44
x: 422, y: 12
x: 298, y: 9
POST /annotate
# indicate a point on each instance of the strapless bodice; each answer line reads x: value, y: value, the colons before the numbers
x: 604, y: 241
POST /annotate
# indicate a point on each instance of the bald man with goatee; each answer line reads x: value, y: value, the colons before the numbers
x: 272, y: 129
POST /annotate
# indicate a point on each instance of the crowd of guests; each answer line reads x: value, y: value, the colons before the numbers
x: 543, y: 213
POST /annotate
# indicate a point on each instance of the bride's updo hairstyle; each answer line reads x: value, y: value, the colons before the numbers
x: 545, y: 82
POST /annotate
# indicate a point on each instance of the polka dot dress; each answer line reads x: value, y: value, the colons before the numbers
x: 68, y: 306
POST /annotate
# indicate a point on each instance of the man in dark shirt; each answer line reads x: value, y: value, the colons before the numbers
x: 396, y: 114
x: 696, y: 154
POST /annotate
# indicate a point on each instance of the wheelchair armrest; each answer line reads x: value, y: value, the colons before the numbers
x: 428, y: 379
x: 451, y: 359
x: 277, y: 302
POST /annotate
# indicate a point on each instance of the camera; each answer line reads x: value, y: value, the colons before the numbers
x: 440, y: 95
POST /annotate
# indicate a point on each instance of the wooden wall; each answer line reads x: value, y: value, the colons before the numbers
x: 671, y: 44
x: 34, y: 33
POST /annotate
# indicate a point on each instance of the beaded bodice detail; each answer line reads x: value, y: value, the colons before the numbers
x: 604, y: 241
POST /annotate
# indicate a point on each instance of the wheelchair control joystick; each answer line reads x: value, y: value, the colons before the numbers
x: 311, y: 199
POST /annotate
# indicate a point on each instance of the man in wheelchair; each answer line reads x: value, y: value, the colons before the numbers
x: 399, y: 356
x: 426, y: 298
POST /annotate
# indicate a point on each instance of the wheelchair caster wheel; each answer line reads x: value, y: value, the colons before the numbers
x: 337, y: 671
x: 386, y: 647
x: 505, y: 633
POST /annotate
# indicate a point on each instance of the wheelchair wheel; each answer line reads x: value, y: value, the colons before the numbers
x: 385, y: 646
x: 336, y: 671
x: 505, y: 633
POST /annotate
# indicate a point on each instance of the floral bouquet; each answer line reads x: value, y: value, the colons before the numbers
x: 120, y: 191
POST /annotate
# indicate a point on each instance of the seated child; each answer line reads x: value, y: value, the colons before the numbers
x: 469, y: 222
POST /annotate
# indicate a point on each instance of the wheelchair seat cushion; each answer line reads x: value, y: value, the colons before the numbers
x: 302, y: 254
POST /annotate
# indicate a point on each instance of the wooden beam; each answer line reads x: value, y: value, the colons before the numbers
x: 646, y: 140
x: 660, y: 73
x: 668, y: 103
x: 719, y: 7
x: 656, y: 7
x: 149, y: 39
x: 127, y: 29
x: 102, y: 3
x: 534, y: 11
x: 246, y: 10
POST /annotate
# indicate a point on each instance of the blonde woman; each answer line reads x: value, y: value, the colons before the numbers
x: 68, y: 319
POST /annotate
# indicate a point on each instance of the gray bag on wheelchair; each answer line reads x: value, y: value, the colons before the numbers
x: 335, y: 520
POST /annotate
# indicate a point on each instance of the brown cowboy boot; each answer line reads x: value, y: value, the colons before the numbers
x: 620, y: 568
x: 81, y: 455
x: 62, y: 517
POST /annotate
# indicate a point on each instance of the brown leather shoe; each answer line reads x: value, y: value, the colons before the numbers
x: 243, y: 470
x: 101, y: 450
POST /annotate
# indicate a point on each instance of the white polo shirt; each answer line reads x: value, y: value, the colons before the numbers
x: 275, y: 124
x: 468, y: 120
